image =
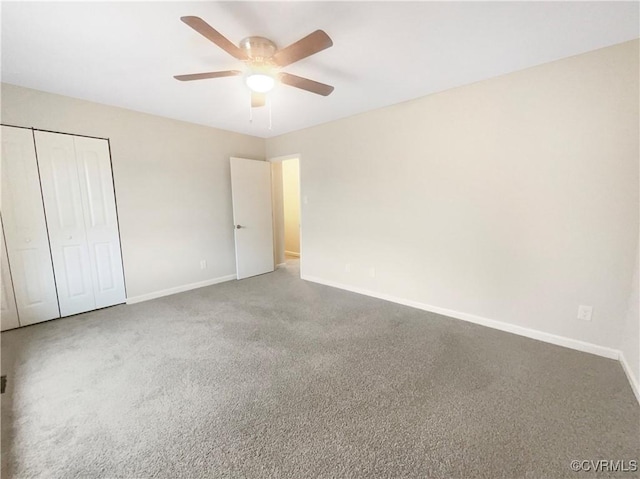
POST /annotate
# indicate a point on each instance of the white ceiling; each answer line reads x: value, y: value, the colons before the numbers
x: 125, y: 54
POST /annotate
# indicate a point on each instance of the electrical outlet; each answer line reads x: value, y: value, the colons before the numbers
x: 347, y: 268
x: 372, y: 271
x: 585, y: 312
x: 203, y: 264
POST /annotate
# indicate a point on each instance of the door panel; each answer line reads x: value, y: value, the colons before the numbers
x: 252, y: 213
x: 101, y: 222
x: 8, y: 307
x: 65, y: 218
x: 28, y: 261
x: 76, y: 285
x: 27, y: 242
x: 103, y: 253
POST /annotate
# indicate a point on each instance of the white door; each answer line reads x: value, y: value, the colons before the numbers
x: 25, y: 229
x: 8, y: 307
x: 65, y: 219
x: 100, y: 220
x: 252, y: 216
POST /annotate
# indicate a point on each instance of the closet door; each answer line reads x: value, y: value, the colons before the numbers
x: 63, y: 207
x: 100, y: 219
x: 8, y: 307
x: 25, y: 229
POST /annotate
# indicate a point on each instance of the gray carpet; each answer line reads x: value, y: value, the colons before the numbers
x: 276, y: 377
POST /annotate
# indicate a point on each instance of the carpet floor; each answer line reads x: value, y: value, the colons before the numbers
x: 277, y: 377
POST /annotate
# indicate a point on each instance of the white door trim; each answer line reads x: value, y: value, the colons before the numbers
x: 277, y: 159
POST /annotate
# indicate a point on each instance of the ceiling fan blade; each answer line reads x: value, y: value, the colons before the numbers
x: 207, y: 31
x: 204, y: 76
x: 257, y: 99
x: 312, y: 43
x: 305, y: 84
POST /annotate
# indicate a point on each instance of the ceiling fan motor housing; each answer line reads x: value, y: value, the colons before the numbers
x: 258, y: 49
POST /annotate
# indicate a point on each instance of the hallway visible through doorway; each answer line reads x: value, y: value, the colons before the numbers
x: 291, y: 207
x: 286, y: 199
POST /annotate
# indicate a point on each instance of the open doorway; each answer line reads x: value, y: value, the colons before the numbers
x: 285, y: 173
x: 291, y: 206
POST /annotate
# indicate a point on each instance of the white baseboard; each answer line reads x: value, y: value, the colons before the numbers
x: 635, y: 386
x: 292, y: 253
x: 179, y: 289
x: 491, y: 323
x: 281, y: 265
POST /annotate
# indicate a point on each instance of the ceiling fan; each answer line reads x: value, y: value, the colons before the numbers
x: 263, y: 60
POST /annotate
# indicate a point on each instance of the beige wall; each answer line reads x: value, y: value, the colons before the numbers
x: 172, y: 184
x: 291, y: 204
x: 513, y: 199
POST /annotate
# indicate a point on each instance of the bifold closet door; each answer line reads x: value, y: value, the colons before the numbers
x: 77, y: 188
x: 100, y: 219
x: 25, y: 229
x: 8, y: 307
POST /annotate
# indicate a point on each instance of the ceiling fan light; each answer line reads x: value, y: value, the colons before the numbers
x: 260, y: 82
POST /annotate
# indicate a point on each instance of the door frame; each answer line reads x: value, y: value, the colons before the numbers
x: 280, y: 159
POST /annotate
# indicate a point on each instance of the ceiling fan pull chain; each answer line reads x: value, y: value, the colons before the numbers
x: 269, y: 102
x: 250, y: 110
